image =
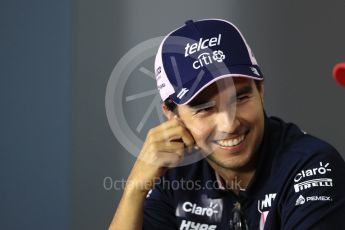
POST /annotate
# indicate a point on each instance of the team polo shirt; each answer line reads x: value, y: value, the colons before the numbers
x: 299, y: 183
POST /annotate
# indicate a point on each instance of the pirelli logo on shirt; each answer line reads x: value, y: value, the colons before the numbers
x: 313, y: 183
x: 303, y: 184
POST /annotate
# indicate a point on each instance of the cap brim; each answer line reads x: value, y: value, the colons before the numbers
x: 204, y: 79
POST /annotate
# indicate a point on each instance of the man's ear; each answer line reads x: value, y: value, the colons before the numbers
x: 167, y: 113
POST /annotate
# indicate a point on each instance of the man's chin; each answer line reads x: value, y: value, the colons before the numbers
x: 237, y: 161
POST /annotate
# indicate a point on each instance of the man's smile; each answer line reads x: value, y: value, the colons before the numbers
x: 231, y: 143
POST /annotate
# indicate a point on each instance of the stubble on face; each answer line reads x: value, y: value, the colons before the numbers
x: 250, y: 119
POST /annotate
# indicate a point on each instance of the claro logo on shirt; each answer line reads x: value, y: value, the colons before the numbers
x: 312, y: 172
x: 319, y: 182
x: 189, y: 207
x: 209, y: 209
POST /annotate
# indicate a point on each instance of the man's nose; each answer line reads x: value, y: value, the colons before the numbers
x: 227, y: 121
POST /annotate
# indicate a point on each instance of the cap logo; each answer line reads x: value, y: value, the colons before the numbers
x: 218, y: 56
x: 255, y: 71
x: 158, y: 73
x: 202, y: 44
x: 182, y: 93
x: 206, y: 58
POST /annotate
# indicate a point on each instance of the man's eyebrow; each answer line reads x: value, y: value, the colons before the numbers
x: 244, y: 90
x: 201, y: 105
x: 196, y: 105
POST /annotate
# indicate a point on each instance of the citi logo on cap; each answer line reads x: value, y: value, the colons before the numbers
x: 206, y: 58
x: 202, y: 44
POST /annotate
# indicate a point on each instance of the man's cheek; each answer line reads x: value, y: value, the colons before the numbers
x: 200, y: 131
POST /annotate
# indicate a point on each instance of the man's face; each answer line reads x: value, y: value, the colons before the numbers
x: 227, y: 121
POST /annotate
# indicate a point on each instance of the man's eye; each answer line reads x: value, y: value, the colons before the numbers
x: 242, y: 98
x: 204, y: 110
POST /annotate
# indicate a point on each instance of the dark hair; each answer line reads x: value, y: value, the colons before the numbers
x: 171, y: 105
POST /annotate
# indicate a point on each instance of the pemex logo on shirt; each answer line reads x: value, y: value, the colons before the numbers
x: 302, y: 200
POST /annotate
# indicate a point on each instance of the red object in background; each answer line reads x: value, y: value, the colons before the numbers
x: 339, y: 73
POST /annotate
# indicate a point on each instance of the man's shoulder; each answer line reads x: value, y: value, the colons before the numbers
x: 294, y: 142
x: 299, y: 150
x: 311, y: 148
x: 310, y: 172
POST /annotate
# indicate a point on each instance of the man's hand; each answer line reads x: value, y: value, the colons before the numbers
x: 164, y: 147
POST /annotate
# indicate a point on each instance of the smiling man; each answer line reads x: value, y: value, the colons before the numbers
x: 257, y: 172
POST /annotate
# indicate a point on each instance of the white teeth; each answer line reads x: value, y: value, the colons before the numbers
x: 231, y: 142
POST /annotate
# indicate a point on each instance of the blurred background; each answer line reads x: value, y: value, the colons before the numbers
x: 59, y: 156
